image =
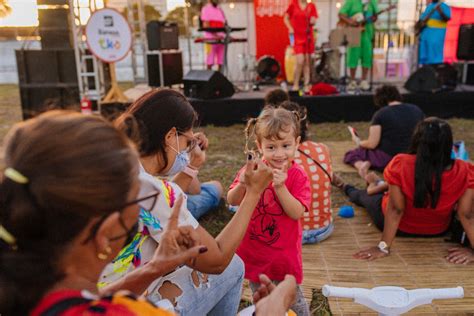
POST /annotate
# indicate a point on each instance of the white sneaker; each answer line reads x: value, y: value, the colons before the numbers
x: 364, y: 85
x: 352, y: 86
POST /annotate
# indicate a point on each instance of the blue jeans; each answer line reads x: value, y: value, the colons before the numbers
x: 202, y: 203
x: 315, y: 236
x: 219, y: 295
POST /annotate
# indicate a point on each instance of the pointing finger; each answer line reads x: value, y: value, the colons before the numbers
x: 173, y: 220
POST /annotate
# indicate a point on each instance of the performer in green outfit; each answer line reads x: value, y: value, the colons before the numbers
x: 360, y: 13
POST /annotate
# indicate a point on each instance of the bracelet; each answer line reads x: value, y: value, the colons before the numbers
x: 383, y: 247
x: 190, y: 172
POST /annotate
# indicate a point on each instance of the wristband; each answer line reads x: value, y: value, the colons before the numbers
x: 191, y: 172
x: 384, y: 247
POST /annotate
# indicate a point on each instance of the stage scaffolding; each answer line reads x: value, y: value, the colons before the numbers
x: 136, y: 19
x: 90, y: 70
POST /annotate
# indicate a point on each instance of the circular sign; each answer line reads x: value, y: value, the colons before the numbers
x: 108, y: 35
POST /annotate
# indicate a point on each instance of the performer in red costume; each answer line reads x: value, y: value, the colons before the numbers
x: 300, y: 18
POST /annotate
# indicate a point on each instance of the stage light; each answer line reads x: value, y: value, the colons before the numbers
x: 338, y: 5
x: 231, y: 5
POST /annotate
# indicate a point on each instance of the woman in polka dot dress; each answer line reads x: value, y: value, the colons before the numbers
x: 317, y: 222
x: 272, y: 242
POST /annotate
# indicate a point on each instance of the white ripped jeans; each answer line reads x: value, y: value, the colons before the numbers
x: 201, y: 294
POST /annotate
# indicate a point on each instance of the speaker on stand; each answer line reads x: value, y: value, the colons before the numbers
x: 165, y: 67
x: 162, y: 35
x: 54, y: 24
x: 164, y: 59
x: 465, y: 52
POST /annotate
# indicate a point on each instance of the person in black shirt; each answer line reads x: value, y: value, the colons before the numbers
x: 389, y: 134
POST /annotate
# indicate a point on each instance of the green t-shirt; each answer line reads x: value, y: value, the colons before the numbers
x: 352, y: 7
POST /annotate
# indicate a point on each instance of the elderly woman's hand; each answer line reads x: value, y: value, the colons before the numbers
x: 460, y: 255
x: 178, y: 244
x: 257, y: 176
x: 270, y: 299
x: 370, y: 254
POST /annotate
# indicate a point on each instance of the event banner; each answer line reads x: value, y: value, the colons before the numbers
x: 459, y: 16
x: 271, y: 32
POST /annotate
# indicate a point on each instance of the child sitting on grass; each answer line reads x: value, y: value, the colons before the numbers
x: 272, y: 242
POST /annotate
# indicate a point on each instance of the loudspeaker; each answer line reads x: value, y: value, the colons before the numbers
x: 35, y: 100
x: 466, y: 42
x: 432, y: 78
x: 46, y: 67
x: 469, y: 75
x: 165, y: 68
x: 162, y: 35
x: 54, y: 28
x: 48, y: 79
x: 207, y: 84
x: 57, y: 18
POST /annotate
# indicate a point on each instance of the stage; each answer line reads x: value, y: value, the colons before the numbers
x: 342, y: 107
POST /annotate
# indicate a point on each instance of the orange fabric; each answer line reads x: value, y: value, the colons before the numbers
x: 75, y: 303
x: 320, y: 212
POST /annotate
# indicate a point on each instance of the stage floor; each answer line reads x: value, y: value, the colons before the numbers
x: 342, y: 107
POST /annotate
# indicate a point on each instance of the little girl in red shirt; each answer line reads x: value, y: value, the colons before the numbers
x: 272, y: 242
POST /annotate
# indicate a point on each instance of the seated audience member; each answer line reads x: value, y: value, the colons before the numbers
x: 62, y: 221
x: 315, y: 159
x: 389, y: 134
x: 212, y: 283
x: 425, y: 187
x: 276, y: 97
x: 202, y: 197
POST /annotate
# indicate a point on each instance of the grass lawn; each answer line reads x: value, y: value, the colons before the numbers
x: 225, y: 155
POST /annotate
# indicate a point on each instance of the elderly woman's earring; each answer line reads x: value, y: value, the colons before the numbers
x: 104, y: 256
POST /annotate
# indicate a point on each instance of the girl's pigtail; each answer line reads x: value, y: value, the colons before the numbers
x: 249, y: 132
x: 300, y: 115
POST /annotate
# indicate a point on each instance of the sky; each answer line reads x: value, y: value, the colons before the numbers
x: 24, y: 13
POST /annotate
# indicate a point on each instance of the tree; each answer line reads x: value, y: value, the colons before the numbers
x: 150, y: 12
x: 177, y: 15
x: 5, y: 8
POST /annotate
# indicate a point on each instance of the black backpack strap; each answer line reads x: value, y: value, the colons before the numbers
x: 317, y: 163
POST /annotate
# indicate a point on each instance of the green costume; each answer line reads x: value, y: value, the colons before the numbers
x: 365, y: 51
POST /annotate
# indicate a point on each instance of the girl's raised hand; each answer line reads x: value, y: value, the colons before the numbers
x: 280, y: 176
x: 257, y: 175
